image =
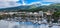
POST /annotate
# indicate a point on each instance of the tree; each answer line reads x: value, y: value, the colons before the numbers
x: 56, y: 16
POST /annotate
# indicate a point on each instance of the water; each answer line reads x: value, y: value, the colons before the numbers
x: 11, y: 24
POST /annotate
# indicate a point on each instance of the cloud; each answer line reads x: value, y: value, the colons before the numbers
x: 23, y: 2
x: 46, y: 3
x: 54, y: 1
x: 34, y: 3
x: 13, y: 0
x: 13, y: 3
x: 8, y: 3
x: 42, y: 2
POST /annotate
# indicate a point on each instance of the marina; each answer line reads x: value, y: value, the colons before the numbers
x: 12, y: 24
x: 29, y: 13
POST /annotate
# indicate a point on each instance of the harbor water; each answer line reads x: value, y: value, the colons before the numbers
x: 12, y: 24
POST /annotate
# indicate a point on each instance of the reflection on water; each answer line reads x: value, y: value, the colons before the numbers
x: 10, y: 24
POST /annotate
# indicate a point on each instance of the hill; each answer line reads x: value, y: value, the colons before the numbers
x: 33, y: 7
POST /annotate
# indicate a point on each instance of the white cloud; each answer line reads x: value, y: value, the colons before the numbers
x: 40, y: 3
x: 8, y: 0
x: 54, y: 1
x: 12, y: 3
x: 8, y: 3
x: 23, y: 2
x: 35, y: 3
x: 45, y: 4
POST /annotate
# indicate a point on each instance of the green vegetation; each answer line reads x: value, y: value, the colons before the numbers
x: 53, y: 7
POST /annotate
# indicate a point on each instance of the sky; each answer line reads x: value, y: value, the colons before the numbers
x: 13, y: 3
